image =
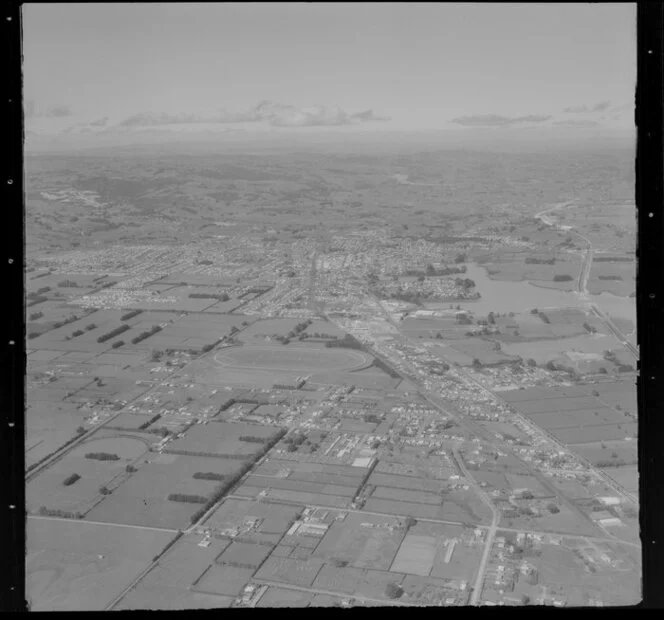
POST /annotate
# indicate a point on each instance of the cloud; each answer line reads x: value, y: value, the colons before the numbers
x: 584, y: 109
x: 577, y: 123
x: 100, y: 122
x: 58, y: 111
x: 274, y: 114
x: 496, y: 120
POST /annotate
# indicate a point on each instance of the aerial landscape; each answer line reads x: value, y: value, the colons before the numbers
x: 268, y: 370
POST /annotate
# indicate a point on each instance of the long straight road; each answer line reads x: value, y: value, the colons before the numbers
x: 491, y: 534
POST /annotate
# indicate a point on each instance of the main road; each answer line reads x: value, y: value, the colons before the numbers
x: 491, y: 534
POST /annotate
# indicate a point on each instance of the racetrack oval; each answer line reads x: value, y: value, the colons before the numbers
x: 292, y: 359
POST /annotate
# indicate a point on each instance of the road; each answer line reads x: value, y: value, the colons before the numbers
x: 616, y: 332
x: 137, y: 527
x: 480, y: 431
x: 491, y: 534
x: 356, y: 597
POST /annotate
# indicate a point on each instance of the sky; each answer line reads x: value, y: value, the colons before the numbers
x: 103, y: 73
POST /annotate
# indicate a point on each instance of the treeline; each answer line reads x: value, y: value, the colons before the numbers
x: 217, y: 296
x: 67, y: 321
x: 187, y: 499
x: 146, y: 334
x: 617, y: 278
x: 56, y: 512
x: 612, y: 259
x: 67, y: 284
x: 71, y: 479
x: 614, y: 463
x: 531, y: 260
x: 79, y: 431
x: 130, y: 315
x: 378, y: 363
x: 37, y: 299
x: 232, y: 479
x: 102, y: 456
x: 430, y: 270
x: 213, y: 455
x: 36, y: 315
x: 209, y: 475
x: 253, y: 439
x: 347, y: 342
x: 465, y: 283
x: 115, y: 332
x: 562, y: 278
x: 118, y: 344
x: 152, y: 420
x: 541, y: 315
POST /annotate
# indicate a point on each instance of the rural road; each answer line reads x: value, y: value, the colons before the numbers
x: 356, y: 597
x: 136, y: 527
x: 491, y: 534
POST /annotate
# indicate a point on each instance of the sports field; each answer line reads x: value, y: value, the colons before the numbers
x: 292, y: 358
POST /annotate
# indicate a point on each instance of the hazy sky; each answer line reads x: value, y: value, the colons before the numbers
x: 126, y: 68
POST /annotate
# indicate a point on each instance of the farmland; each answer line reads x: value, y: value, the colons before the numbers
x: 72, y: 565
x: 142, y: 499
x: 333, y: 410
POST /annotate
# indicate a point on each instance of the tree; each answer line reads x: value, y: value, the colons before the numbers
x: 393, y: 590
x: 531, y: 362
x: 476, y: 363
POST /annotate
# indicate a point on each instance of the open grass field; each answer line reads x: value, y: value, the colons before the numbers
x: 573, y: 436
x: 143, y: 498
x: 76, y: 566
x: 450, y: 510
x: 293, y: 496
x: 406, y: 495
x: 602, y: 451
x: 563, y: 573
x: 425, y: 548
x: 224, y: 580
x: 301, y: 485
x: 363, y: 541
x: 416, y: 555
x: 274, y: 518
x: 48, y: 426
x: 281, y: 597
x: 171, y: 599
x: 627, y: 476
x: 356, y: 581
x: 290, y: 571
x: 413, y: 483
x: 371, y: 378
x: 481, y: 349
x: 222, y: 438
x: 585, y: 417
x: 244, y: 554
x: 48, y: 488
x: 544, y: 350
x: 290, y: 357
